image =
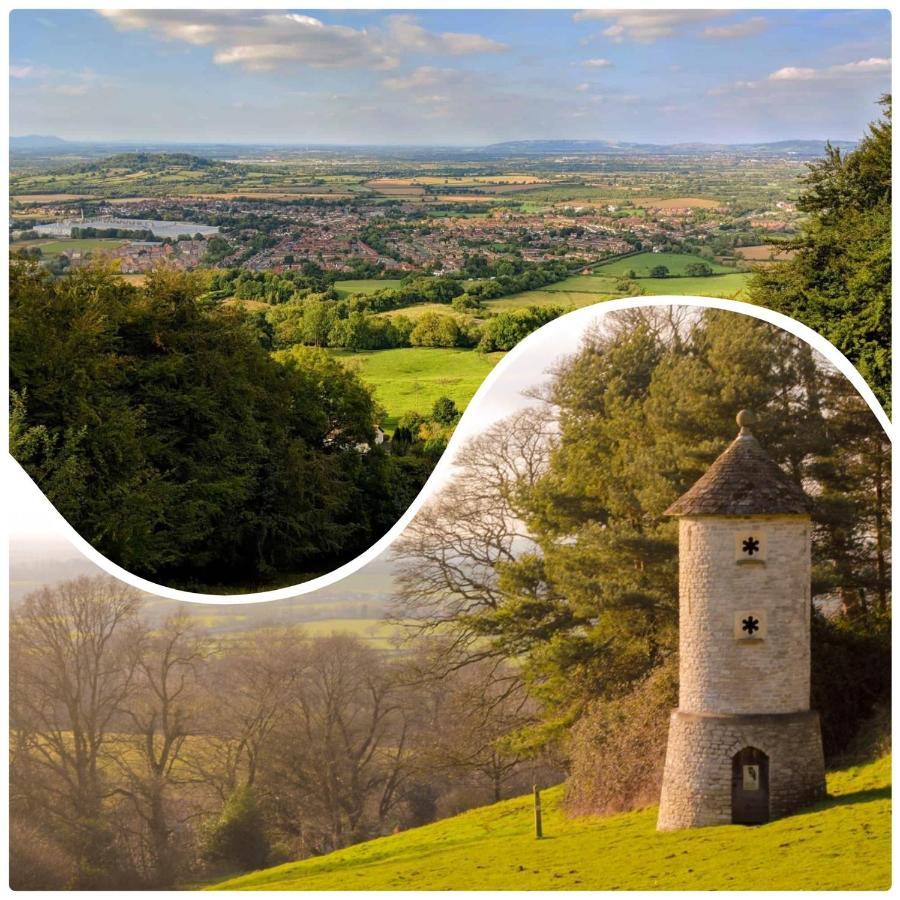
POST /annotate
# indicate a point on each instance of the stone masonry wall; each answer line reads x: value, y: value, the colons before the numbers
x: 697, y: 779
x: 718, y: 672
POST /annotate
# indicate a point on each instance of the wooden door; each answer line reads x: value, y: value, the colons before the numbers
x: 750, y: 787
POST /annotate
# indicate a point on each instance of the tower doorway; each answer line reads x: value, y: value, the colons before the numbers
x: 749, y: 787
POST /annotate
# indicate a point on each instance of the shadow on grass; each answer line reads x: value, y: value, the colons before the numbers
x: 866, y: 796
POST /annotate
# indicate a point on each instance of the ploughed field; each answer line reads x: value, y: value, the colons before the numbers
x: 842, y: 843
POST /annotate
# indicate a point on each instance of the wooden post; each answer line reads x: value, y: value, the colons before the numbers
x: 538, y: 824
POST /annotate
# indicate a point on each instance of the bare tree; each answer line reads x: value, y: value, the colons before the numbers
x: 450, y: 553
x: 260, y: 670
x: 73, y: 663
x: 163, y: 711
x: 473, y: 714
x: 340, y: 754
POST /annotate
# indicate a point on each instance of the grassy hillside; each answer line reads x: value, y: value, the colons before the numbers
x: 843, y: 843
x: 412, y: 378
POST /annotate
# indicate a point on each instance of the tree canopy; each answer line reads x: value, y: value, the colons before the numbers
x: 839, y: 279
x: 162, y: 429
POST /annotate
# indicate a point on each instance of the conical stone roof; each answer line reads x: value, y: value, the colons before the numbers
x: 743, y: 481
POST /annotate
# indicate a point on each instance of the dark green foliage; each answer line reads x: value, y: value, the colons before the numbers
x: 165, y: 433
x: 444, y: 411
x: 659, y: 272
x: 839, y: 281
x: 851, y: 675
x: 238, y: 837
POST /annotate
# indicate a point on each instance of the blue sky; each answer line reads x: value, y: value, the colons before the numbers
x: 447, y: 77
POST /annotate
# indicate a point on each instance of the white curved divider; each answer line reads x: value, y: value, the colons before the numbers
x: 31, y: 494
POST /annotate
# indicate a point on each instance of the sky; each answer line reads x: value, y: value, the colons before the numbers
x: 451, y: 77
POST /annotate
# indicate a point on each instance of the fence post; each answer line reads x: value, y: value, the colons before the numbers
x: 538, y: 824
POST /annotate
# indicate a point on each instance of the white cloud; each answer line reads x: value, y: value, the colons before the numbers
x: 861, y: 68
x: 747, y: 28
x: 581, y: 88
x: 267, y: 40
x: 793, y: 73
x: 597, y: 63
x: 646, y: 26
x: 809, y: 78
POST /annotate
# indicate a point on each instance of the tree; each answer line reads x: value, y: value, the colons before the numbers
x: 340, y: 752
x: 217, y: 461
x: 435, y: 330
x: 698, y: 270
x: 839, y: 279
x: 445, y: 411
x: 74, y: 662
x: 659, y: 272
x: 238, y: 835
x: 163, y: 710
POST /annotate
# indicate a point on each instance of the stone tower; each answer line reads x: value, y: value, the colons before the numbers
x: 744, y: 745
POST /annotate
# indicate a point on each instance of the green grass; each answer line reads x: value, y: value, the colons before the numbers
x: 419, y: 309
x: 726, y: 286
x: 550, y: 296
x: 583, y: 290
x: 843, y: 843
x: 412, y: 378
x: 364, y: 286
x: 642, y: 263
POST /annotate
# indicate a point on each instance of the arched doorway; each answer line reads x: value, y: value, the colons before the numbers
x: 749, y: 787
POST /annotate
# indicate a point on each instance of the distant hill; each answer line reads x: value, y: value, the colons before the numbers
x: 38, y: 142
x: 842, y: 843
x: 611, y: 148
x: 151, y: 162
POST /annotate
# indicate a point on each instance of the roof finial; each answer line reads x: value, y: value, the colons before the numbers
x: 745, y: 418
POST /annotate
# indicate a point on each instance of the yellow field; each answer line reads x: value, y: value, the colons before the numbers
x: 676, y: 202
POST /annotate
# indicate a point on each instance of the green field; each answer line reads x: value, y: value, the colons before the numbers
x: 583, y: 290
x: 412, y: 378
x: 843, y: 843
x: 419, y: 310
x: 642, y: 263
x: 364, y: 286
x: 568, y: 299
x: 726, y: 286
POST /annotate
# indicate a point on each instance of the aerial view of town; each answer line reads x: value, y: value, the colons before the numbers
x: 379, y: 253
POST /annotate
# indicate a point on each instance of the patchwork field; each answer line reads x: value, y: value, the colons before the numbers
x: 642, y: 263
x: 364, y: 286
x: 843, y: 843
x: 412, y: 378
